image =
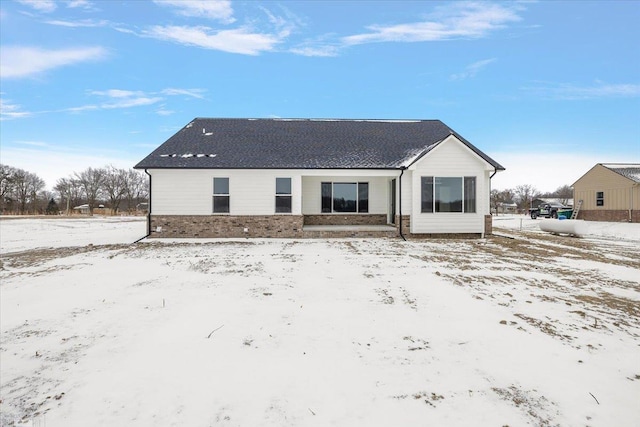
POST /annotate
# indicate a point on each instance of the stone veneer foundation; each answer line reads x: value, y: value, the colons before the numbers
x: 216, y: 226
x: 355, y: 219
x: 609, y: 215
x: 284, y: 226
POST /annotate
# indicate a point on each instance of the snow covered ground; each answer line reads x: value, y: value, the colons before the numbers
x: 523, y: 329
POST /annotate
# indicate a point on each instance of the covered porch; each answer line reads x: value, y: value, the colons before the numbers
x: 350, y: 201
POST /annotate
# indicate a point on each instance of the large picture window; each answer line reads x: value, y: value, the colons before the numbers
x: 220, y: 195
x: 344, y: 197
x: 448, y: 194
x: 283, y: 195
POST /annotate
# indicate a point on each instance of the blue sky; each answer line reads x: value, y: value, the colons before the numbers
x: 547, y: 89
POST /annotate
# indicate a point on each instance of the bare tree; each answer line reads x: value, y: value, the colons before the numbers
x: 499, y: 197
x: 91, y: 181
x: 27, y: 185
x: 524, y: 194
x: 136, y: 188
x: 6, y: 186
x: 115, y: 186
x: 70, y: 192
x: 564, y: 193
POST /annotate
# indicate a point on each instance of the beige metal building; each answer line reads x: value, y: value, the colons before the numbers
x: 609, y: 192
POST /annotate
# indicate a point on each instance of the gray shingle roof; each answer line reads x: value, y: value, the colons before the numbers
x: 300, y: 144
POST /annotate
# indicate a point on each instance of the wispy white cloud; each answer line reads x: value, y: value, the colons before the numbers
x: 117, y: 93
x: 82, y: 23
x: 45, y: 6
x: 321, y: 46
x: 471, y: 70
x: 194, y: 93
x: 310, y: 50
x: 110, y: 99
x: 163, y: 112
x: 20, y: 61
x: 283, y: 25
x: 220, y: 10
x: 117, y: 98
x: 569, y: 91
x: 454, y: 21
x: 9, y: 110
x: 239, y: 40
x: 74, y: 4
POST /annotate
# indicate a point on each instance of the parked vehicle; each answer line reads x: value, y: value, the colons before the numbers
x: 550, y: 210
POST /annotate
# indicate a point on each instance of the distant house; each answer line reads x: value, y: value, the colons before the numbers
x: 317, y: 178
x: 82, y: 209
x: 506, y: 207
x: 609, y: 192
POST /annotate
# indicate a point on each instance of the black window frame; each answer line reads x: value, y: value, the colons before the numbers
x: 283, y: 198
x: 361, y: 198
x: 221, y: 199
x: 429, y: 193
x: 599, y: 198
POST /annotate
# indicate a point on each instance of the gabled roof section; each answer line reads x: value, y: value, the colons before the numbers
x: 301, y: 144
x: 628, y: 170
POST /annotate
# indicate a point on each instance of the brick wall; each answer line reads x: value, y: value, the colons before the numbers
x: 406, y: 223
x: 488, y: 225
x: 226, y: 226
x: 608, y: 215
x: 318, y: 234
x: 336, y: 219
x: 270, y: 226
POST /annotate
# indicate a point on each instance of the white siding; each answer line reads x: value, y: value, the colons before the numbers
x: 450, y: 159
x: 407, y: 194
x: 190, y: 191
x: 252, y: 192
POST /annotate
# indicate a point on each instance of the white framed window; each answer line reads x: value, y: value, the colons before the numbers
x: 221, y: 195
x: 283, y: 195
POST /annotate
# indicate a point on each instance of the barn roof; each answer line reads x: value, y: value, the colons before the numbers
x: 628, y: 170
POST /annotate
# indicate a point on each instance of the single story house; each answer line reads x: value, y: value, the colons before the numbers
x: 609, y: 192
x: 506, y: 208
x: 318, y: 178
x: 82, y: 209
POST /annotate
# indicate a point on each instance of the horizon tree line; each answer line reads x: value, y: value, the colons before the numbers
x: 23, y: 192
x: 523, y: 195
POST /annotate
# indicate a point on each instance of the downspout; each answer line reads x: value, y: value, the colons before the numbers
x: 148, y: 212
x: 495, y: 171
x: 402, y: 169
